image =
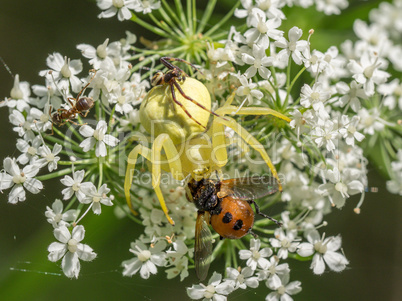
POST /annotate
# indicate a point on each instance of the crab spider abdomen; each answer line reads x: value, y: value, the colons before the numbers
x: 159, y: 114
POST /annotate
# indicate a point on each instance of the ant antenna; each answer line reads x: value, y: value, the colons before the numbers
x: 6, y: 66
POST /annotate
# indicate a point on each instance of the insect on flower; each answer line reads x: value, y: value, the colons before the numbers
x: 182, y: 146
x: 226, y: 206
x: 171, y: 77
x: 79, y: 105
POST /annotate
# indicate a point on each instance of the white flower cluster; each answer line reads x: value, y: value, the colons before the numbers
x: 322, y: 162
x: 174, y: 255
x: 32, y: 116
x: 317, y: 121
x: 261, y: 265
x: 122, y: 8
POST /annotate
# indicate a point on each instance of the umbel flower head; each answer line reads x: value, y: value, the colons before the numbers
x: 243, y: 90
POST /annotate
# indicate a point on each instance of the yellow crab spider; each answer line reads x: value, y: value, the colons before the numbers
x: 188, y: 149
x: 169, y: 123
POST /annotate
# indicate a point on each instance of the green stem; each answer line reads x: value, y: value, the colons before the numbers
x: 86, y: 161
x: 111, y: 119
x: 223, y: 20
x: 217, y: 249
x: 194, y: 17
x: 292, y: 84
x: 56, y: 140
x: 207, y: 14
x: 172, y: 13
x: 234, y: 257
x: 169, y: 51
x: 74, y: 131
x: 224, y: 34
x: 189, y: 18
x: 54, y: 174
x: 149, y: 27
x: 228, y: 257
x: 66, y: 138
x: 263, y: 230
x: 71, y: 203
x: 162, y: 25
x: 287, y: 81
x: 100, y: 173
x: 170, y: 22
x: 182, y: 17
x: 240, y: 245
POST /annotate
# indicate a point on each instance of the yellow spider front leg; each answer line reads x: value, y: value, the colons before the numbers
x: 218, y: 134
x: 154, y: 156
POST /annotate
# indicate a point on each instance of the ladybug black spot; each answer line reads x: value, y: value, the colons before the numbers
x: 227, y: 218
x: 238, y: 224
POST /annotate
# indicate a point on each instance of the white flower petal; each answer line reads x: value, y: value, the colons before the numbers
x: 335, y: 261
x: 305, y: 249
x: 252, y: 282
x: 263, y: 263
x: 6, y: 181
x: 215, y: 279
x: 67, y: 193
x: 78, y: 233
x: 57, y: 251
x: 131, y: 266
x: 33, y: 185
x: 317, y: 265
x: 67, y: 181
x: 86, y: 131
x: 70, y: 215
x: 224, y: 288
x: 88, y: 144
x: 62, y: 234
x: 79, y: 176
x: 85, y: 252
x: 17, y: 194
x: 96, y: 208
x: 144, y: 272
x: 71, y: 265
x: 196, y: 292
x: 100, y: 150
x: 110, y: 140
x: 293, y: 287
x: 57, y: 206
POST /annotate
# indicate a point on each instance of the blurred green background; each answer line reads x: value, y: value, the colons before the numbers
x: 29, y: 31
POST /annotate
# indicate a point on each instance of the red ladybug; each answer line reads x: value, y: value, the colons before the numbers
x: 226, y: 206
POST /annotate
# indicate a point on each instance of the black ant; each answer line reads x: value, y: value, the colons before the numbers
x: 171, y: 77
x: 82, y: 106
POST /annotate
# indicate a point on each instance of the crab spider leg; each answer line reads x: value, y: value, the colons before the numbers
x: 173, y: 159
x: 220, y: 147
x: 227, y: 108
x: 252, y: 111
x: 192, y: 100
x: 132, y: 159
x: 180, y: 104
x: 154, y: 156
x: 165, y: 62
